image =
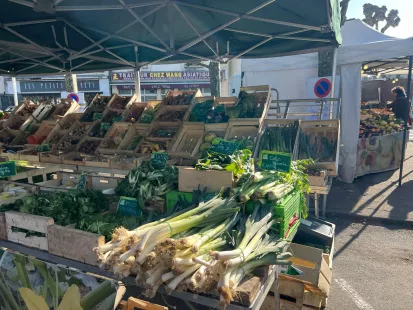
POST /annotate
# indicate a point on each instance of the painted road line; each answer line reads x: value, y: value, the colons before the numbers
x: 361, y: 304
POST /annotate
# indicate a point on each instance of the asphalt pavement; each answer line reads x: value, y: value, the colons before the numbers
x: 372, y: 267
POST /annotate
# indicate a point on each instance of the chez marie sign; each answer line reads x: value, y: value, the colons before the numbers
x: 56, y: 86
x: 162, y: 75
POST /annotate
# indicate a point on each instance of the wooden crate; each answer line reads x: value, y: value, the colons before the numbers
x: 213, y: 180
x: 329, y: 129
x: 167, y: 110
x: 54, y: 157
x: 298, y: 299
x: 29, y: 222
x: 268, y: 123
x: 84, y: 140
x: 163, y: 144
x: 134, y: 131
x: 61, y: 181
x: 54, y: 137
x: 226, y: 101
x: 101, y: 183
x: 14, y: 122
x: 42, y: 112
x: 220, y: 129
x: 188, y: 141
x: 152, y: 105
x: 21, y: 139
x: 30, y: 155
x: 28, y: 187
x: 119, y: 102
x: 173, y: 128
x: 64, y: 108
x: 317, y: 273
x: 174, y: 93
x: 67, y: 121
x: 110, y: 115
x: 117, y: 130
x: 7, y: 135
x: 73, y: 141
x: 134, y: 109
x: 89, y: 161
x: 70, y: 158
x: 320, y: 180
x: 245, y: 128
x: 262, y: 94
x: 46, y: 127
x: 116, y: 162
x: 73, y: 243
x: 194, y: 102
x: 78, y: 125
x: 3, y: 226
x: 134, y: 303
x: 100, y: 98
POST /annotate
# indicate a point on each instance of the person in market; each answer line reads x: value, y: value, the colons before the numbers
x: 400, y: 106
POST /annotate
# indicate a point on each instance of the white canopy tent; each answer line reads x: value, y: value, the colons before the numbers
x: 361, y: 43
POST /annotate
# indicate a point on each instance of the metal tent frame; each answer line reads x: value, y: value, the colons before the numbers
x: 37, y: 55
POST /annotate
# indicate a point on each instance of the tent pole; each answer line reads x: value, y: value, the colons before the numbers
x: 137, y: 77
x: 409, y: 82
x: 16, y: 99
x: 333, y: 82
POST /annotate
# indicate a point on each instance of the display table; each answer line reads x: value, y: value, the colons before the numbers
x: 379, y: 153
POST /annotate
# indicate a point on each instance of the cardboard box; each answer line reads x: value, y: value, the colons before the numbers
x: 213, y: 180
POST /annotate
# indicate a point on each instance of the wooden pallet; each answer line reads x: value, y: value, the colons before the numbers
x: 327, y: 129
x: 73, y: 243
x: 33, y: 172
x: 134, y: 131
x: 67, y: 121
x: 117, y: 99
x: 54, y: 157
x: 174, y: 93
x: 29, y: 222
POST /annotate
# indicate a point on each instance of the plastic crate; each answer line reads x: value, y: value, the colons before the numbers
x: 288, y: 214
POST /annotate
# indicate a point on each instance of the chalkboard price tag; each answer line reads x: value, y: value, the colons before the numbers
x: 159, y: 159
x: 105, y: 126
x: 275, y: 161
x: 7, y: 169
x: 43, y: 148
x: 97, y: 116
x: 82, y: 182
x: 129, y: 207
x: 222, y: 146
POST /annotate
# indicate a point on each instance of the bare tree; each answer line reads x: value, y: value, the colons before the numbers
x: 374, y: 14
x: 214, y: 76
x: 344, y: 8
x: 392, y: 20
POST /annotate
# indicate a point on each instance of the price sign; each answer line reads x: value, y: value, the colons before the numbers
x: 97, y: 116
x: 128, y: 206
x: 7, y: 169
x: 275, y: 161
x: 159, y: 159
x: 222, y: 146
x: 117, y: 119
x: 82, y: 182
x: 43, y: 148
x: 105, y: 126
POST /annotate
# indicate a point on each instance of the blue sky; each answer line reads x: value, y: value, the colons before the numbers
x: 405, y: 7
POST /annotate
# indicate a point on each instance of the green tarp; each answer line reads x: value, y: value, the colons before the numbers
x: 52, y: 36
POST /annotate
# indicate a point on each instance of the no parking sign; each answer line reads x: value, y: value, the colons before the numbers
x: 322, y: 88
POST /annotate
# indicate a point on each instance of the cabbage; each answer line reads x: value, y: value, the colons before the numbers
x: 209, y: 137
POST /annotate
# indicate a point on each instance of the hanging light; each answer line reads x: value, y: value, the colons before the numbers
x: 378, y: 75
x: 393, y: 81
x: 396, y: 79
x: 365, y: 67
x: 362, y: 71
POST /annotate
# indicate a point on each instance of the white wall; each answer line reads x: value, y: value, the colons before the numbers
x: 2, y: 85
x: 291, y: 84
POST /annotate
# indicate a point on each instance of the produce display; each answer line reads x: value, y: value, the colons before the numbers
x: 134, y: 114
x: 89, y: 146
x: 119, y: 103
x: 207, y: 142
x: 147, y: 146
x: 113, y: 141
x: 27, y: 110
x: 98, y: 159
x: 203, y: 112
x: 244, y: 142
x: 56, y: 137
x: 378, y: 122
x: 165, y: 132
x: 12, y: 191
x: 239, y: 163
x: 247, y: 106
x: 134, y: 142
x: 68, y: 121
x: 100, y: 102
x: 112, y: 116
x: 183, y: 99
x: 210, y: 246
x: 99, y: 130
x: 124, y: 159
x: 279, y: 139
x: 148, y: 114
x: 67, y: 144
x: 171, y: 116
x: 147, y: 183
x: 80, y: 130
x: 319, y: 148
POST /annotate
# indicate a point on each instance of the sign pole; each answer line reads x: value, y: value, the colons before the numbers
x: 16, y: 98
x: 137, y: 77
x: 333, y: 82
x: 405, y: 132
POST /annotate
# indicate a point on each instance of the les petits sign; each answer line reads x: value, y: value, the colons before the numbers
x: 162, y: 75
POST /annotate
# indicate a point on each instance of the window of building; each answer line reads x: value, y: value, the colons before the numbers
x: 206, y: 91
x: 125, y: 92
x: 148, y: 94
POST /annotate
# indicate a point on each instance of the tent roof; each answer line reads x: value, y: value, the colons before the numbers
x: 361, y: 43
x: 54, y: 36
